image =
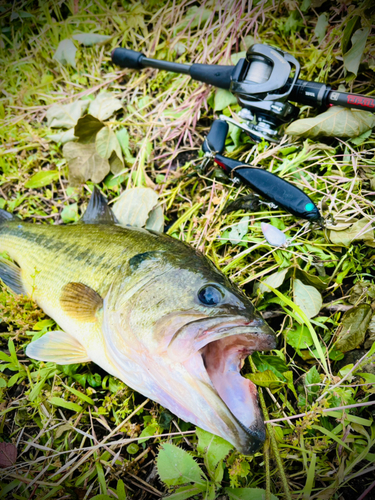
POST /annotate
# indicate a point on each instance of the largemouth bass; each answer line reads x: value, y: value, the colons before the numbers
x: 148, y: 309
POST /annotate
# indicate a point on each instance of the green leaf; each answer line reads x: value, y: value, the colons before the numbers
x: 358, y: 231
x: 41, y: 179
x: 66, y: 53
x: 274, y: 279
x: 120, y: 490
x: 70, y: 213
x: 247, y: 494
x: 134, y: 206
x: 176, y: 466
x: 106, y: 143
x: 312, y: 377
x: 239, y: 230
x: 223, y: 98
x: 335, y: 122
x: 213, y: 448
x: 65, y: 404
x: 102, y: 497
x: 86, y: 128
x: 306, y: 320
x: 104, y: 106
x: 310, y: 279
x: 123, y: 138
x: 148, y: 432
x: 65, y: 115
x: 186, y: 492
x: 352, y: 58
x: 300, y: 337
x: 353, y: 328
x: 307, y: 298
x: 321, y: 27
x: 89, y: 39
x: 351, y: 26
x: 85, y: 163
x: 80, y: 395
x: 265, y: 379
x: 310, y: 478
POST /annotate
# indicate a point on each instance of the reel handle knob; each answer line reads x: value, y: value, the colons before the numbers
x: 215, y: 140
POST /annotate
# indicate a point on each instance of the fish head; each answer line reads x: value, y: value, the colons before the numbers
x: 184, y: 330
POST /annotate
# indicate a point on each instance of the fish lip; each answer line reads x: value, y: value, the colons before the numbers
x: 193, y: 336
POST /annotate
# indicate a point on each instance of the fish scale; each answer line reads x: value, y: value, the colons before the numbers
x: 147, y: 308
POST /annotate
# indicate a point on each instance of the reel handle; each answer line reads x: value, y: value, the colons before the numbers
x: 216, y: 75
x: 215, y: 140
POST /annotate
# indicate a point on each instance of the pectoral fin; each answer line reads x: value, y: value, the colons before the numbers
x: 58, y: 347
x: 80, y: 302
x: 10, y: 273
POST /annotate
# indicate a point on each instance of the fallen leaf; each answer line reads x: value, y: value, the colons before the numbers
x: 63, y: 137
x: 89, y: 39
x: 85, y: 163
x: 66, y: 53
x: 335, y: 122
x: 352, y: 58
x: 65, y: 115
x: 239, y: 230
x: 134, y: 206
x: 106, y: 143
x: 370, y: 334
x: 355, y: 232
x: 115, y: 163
x: 155, y: 221
x: 361, y: 290
x: 8, y: 455
x: 86, y: 128
x: 307, y: 298
x: 104, y: 106
x: 353, y: 327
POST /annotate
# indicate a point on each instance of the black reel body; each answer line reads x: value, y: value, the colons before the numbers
x: 262, y: 83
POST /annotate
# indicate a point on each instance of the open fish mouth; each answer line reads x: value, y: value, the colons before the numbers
x: 224, y: 343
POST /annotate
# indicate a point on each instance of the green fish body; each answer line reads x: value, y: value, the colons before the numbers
x: 148, y: 309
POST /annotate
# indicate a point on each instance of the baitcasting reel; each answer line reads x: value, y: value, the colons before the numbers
x: 264, y: 82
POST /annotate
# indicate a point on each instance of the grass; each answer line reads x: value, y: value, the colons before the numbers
x: 81, y: 433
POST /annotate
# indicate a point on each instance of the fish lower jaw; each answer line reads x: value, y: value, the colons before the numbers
x: 223, y: 360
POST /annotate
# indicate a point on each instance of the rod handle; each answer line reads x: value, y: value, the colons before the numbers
x: 126, y: 58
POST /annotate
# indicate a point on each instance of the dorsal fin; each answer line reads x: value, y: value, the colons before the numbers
x: 98, y: 211
x: 4, y: 216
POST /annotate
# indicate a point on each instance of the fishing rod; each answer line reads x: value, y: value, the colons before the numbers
x: 264, y: 83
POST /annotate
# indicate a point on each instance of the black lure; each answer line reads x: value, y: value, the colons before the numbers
x: 269, y: 186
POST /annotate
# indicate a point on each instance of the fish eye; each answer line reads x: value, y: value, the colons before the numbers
x: 210, y: 295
